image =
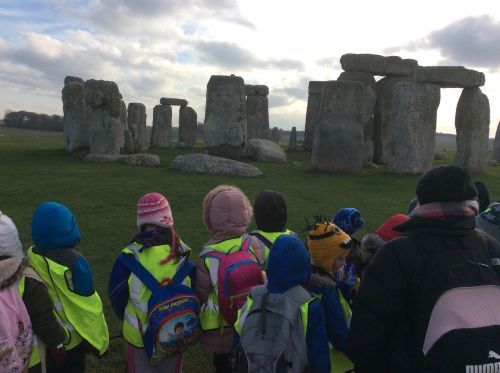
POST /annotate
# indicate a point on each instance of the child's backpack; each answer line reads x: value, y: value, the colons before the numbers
x: 16, y: 335
x: 173, y: 312
x: 272, y: 337
x: 459, y: 305
x: 238, y: 271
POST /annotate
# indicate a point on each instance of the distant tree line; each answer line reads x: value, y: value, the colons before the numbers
x: 33, y: 121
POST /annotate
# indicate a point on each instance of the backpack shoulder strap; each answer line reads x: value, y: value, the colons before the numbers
x: 245, y: 244
x: 299, y: 294
x: 139, y: 270
x: 182, y: 272
x: 262, y: 238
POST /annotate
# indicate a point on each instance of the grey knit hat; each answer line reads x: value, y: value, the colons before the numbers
x: 9, y: 238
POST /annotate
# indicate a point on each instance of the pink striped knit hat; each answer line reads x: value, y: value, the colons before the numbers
x: 153, y: 208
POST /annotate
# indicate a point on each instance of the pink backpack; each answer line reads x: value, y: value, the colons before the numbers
x: 238, y: 272
x: 16, y: 335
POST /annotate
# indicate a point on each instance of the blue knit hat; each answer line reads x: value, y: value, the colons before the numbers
x: 289, y: 264
x: 54, y: 226
x: 348, y: 219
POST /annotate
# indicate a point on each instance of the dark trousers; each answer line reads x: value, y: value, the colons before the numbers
x: 222, y: 363
x: 74, y: 363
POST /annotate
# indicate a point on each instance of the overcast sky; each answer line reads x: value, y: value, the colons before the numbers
x: 170, y: 48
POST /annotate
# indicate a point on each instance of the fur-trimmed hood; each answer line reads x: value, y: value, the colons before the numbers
x: 320, y: 280
x: 11, y: 269
x: 372, y: 242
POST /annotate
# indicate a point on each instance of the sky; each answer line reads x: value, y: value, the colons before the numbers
x: 170, y: 48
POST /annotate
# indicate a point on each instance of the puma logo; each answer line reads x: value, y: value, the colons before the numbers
x: 493, y: 355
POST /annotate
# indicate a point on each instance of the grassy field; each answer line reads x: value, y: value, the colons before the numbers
x: 34, y: 167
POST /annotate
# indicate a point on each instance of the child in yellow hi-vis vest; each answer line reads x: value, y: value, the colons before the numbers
x: 329, y: 246
x: 69, y: 280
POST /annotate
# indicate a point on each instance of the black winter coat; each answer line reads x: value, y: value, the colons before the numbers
x: 384, y: 335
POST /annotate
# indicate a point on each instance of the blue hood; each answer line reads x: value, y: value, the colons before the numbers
x: 54, y: 226
x: 289, y: 264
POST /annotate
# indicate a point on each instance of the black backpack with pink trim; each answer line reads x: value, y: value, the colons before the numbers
x: 459, y: 324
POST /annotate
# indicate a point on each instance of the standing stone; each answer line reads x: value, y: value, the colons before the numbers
x: 378, y: 65
x: 136, y: 122
x: 225, y: 127
x: 472, y: 123
x: 128, y: 145
x: 275, y: 135
x: 368, y: 118
x: 257, y: 112
x: 383, y: 107
x: 312, y: 113
x: 292, y: 142
x: 161, y: 134
x: 104, y: 109
x: 76, y: 126
x: 412, y: 127
x: 188, y: 124
x: 338, y: 138
x: 496, y: 145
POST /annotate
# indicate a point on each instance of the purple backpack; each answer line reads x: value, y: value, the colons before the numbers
x: 238, y: 272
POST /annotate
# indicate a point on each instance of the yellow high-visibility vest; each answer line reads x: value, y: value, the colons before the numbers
x: 135, y: 318
x: 81, y: 316
x: 271, y: 236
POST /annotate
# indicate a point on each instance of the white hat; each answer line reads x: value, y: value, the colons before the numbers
x: 9, y: 238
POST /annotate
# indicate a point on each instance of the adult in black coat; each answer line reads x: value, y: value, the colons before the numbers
x: 386, y: 329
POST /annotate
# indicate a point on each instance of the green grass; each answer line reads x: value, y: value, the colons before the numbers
x: 35, y: 168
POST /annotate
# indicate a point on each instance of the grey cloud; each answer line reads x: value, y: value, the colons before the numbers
x: 231, y: 55
x: 471, y: 41
x: 332, y: 62
x: 225, y: 54
x: 277, y: 99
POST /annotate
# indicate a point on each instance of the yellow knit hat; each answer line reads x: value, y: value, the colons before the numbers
x: 326, y: 242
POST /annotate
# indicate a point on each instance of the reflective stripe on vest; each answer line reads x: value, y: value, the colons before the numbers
x: 35, y: 350
x: 210, y: 318
x: 81, y: 316
x: 135, y: 319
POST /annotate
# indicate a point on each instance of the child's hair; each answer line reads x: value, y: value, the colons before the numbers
x: 169, y: 236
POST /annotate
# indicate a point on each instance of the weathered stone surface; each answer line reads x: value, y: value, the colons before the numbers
x: 140, y: 159
x: 33, y: 121
x: 338, y: 138
x: 378, y: 65
x: 275, y: 135
x: 75, y: 123
x: 104, y: 109
x: 292, y: 142
x: 449, y: 76
x: 383, y: 107
x: 257, y: 112
x: 188, y: 124
x: 225, y: 127
x: 101, y: 158
x: 173, y: 101
x: 412, y: 127
x: 73, y: 79
x: 312, y: 113
x: 472, y: 123
x: 208, y: 164
x: 256, y: 90
x: 496, y: 145
x: 161, y: 134
x: 263, y: 150
x: 369, y: 115
x: 128, y: 144
x: 136, y: 122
